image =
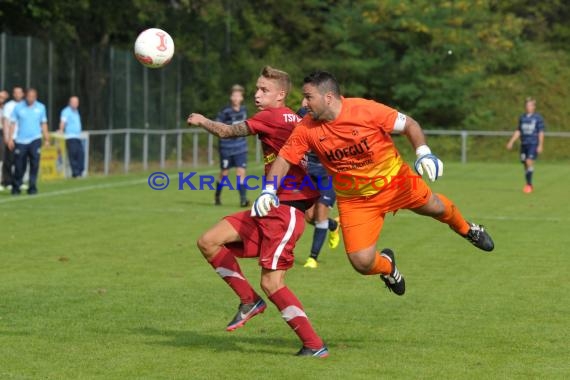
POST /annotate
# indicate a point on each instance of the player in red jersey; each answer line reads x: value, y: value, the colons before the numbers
x: 271, y: 239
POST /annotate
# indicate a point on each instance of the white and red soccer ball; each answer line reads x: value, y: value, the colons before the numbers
x: 154, y: 48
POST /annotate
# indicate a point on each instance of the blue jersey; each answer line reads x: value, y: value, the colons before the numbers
x: 234, y: 145
x: 72, y: 122
x: 529, y: 127
x: 29, y: 119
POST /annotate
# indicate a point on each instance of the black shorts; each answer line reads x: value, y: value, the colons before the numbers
x: 228, y: 161
x: 529, y: 152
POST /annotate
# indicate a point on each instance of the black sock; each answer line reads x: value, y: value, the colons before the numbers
x: 528, y: 176
x: 218, y: 189
x: 333, y: 224
x: 242, y: 192
x: 319, y: 236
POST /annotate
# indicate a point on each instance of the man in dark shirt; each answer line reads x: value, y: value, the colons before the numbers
x: 531, y: 132
x: 233, y: 150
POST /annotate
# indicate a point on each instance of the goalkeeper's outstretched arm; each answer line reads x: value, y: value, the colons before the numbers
x: 414, y: 133
x: 268, y: 198
x: 278, y: 170
x: 426, y: 162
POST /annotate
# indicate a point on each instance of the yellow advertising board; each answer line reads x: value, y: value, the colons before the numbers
x: 52, y: 160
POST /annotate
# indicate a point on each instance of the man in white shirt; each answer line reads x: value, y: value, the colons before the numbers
x: 3, y: 97
x: 8, y: 135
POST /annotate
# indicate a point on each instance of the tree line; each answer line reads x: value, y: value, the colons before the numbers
x: 428, y: 58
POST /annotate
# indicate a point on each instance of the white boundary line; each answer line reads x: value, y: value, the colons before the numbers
x: 24, y: 197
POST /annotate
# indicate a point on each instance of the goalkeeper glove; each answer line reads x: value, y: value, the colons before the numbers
x: 264, y: 202
x: 429, y: 163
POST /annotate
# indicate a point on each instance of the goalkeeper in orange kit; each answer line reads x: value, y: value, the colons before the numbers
x: 351, y: 137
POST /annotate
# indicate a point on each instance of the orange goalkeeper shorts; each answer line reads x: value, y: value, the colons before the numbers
x: 362, y: 217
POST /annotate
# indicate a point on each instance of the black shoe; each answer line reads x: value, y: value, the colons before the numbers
x: 245, y: 203
x: 217, y: 201
x: 245, y: 313
x: 394, y: 281
x: 32, y: 191
x: 479, y: 237
x: 322, y: 352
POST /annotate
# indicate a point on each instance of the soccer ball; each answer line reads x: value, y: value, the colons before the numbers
x: 154, y: 48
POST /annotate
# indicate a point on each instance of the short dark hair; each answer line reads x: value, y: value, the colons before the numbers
x: 324, y: 81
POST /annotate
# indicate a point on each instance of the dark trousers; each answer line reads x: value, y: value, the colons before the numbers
x: 7, y: 162
x: 75, y: 156
x: 23, y: 153
x: 7, y: 166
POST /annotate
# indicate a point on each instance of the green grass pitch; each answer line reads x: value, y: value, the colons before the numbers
x: 100, y: 279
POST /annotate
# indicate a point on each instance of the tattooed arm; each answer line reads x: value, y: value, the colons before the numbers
x: 219, y: 129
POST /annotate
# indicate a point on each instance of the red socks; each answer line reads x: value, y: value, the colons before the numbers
x: 228, y: 268
x: 293, y: 313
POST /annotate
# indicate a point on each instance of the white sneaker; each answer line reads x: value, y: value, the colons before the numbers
x: 24, y: 187
x: 2, y: 188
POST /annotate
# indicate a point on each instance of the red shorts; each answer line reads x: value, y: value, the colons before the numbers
x: 271, y: 238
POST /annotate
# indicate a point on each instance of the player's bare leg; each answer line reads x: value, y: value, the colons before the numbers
x: 369, y: 261
x: 216, y: 246
x: 528, y: 171
x: 273, y: 284
x: 218, y: 198
x: 441, y: 208
x: 241, y: 173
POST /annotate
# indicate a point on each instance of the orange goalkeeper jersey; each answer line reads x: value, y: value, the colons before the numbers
x: 356, y: 148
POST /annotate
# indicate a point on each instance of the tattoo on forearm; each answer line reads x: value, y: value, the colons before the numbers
x: 223, y: 130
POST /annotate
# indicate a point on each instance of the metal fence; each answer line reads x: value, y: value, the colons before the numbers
x: 115, y: 150
x: 119, y: 92
x: 195, y: 147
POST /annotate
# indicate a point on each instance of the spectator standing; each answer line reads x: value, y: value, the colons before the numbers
x: 31, y: 118
x: 8, y: 135
x: 70, y: 126
x: 3, y: 97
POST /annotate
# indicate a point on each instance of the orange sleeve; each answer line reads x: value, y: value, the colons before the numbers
x: 296, y: 145
x: 385, y: 117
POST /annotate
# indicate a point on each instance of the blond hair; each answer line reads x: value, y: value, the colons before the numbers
x: 529, y: 99
x: 281, y: 77
x: 237, y: 88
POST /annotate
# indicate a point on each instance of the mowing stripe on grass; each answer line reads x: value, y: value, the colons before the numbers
x: 91, y: 187
x: 72, y: 191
